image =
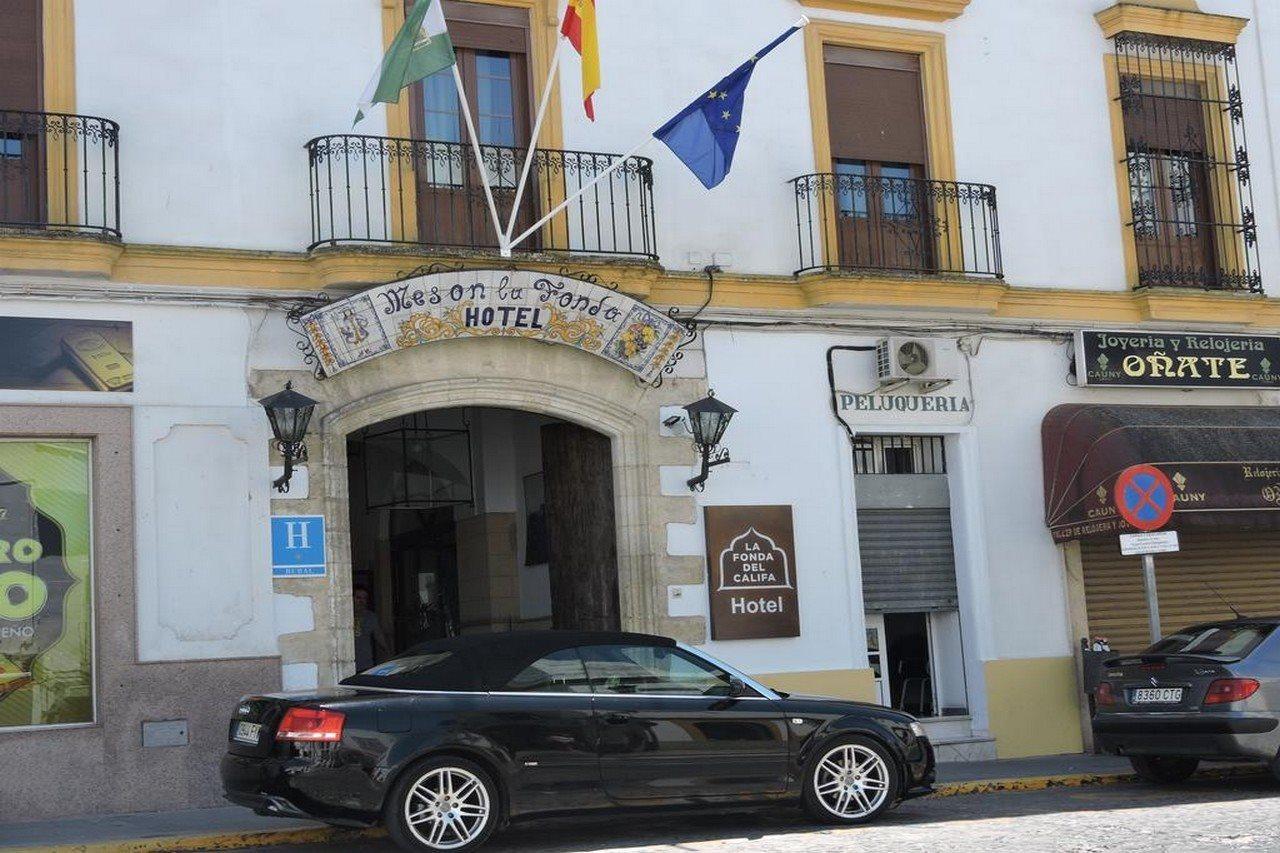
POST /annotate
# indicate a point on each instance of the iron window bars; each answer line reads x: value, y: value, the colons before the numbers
x: 374, y: 189
x: 851, y: 220
x: 899, y: 454
x: 1187, y: 163
x: 59, y: 171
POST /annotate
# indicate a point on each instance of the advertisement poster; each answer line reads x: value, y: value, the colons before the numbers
x: 53, y: 354
x: 751, y: 560
x: 46, y: 614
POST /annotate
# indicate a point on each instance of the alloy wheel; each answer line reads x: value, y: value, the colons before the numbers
x: 851, y: 781
x: 447, y: 808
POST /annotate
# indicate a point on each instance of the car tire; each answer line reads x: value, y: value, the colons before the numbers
x: 443, y: 803
x: 1163, y: 769
x: 850, y: 780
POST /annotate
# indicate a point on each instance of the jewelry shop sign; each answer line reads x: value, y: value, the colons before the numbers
x: 1177, y: 360
x: 493, y: 303
x: 752, y: 572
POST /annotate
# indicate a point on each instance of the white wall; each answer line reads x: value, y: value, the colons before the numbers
x: 215, y: 101
x: 200, y: 476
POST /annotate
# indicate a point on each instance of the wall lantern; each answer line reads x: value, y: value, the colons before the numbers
x: 708, y: 419
x: 289, y: 413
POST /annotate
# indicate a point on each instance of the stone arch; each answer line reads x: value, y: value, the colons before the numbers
x: 515, y: 374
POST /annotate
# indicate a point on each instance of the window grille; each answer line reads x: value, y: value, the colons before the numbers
x: 1187, y: 163
x: 899, y: 454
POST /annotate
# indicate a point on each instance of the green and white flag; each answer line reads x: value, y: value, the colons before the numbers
x: 420, y: 49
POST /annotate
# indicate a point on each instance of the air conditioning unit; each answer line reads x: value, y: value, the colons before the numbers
x: 929, y: 362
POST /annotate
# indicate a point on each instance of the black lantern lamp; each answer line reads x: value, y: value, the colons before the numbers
x: 708, y: 419
x: 289, y: 413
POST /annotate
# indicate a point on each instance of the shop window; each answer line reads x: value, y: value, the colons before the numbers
x: 46, y: 595
x: 1186, y: 161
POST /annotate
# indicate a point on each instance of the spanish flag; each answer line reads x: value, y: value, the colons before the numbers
x: 579, y: 28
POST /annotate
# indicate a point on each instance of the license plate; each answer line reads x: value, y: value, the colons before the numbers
x: 248, y: 732
x: 1156, y: 695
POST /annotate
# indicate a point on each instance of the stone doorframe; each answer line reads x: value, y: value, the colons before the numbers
x: 503, y: 373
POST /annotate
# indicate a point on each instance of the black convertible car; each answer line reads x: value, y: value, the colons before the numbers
x: 451, y: 740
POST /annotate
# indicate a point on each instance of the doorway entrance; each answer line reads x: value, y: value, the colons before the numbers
x: 467, y: 520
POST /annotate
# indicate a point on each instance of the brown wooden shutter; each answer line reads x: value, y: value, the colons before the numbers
x: 482, y: 27
x: 1243, y: 566
x: 875, y: 105
x: 1165, y: 116
x: 20, y: 55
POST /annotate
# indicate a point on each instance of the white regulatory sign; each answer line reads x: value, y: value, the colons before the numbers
x: 1158, y: 542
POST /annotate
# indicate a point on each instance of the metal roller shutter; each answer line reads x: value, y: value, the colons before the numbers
x: 1243, y: 566
x: 907, y: 559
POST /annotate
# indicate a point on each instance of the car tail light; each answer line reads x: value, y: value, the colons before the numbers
x: 1225, y: 690
x: 311, y: 724
x: 1103, y: 694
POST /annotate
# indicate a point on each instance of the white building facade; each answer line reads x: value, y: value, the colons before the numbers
x: 933, y: 203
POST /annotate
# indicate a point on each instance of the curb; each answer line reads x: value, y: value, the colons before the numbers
x: 312, y: 835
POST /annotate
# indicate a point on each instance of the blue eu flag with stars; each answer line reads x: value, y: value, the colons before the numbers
x: 705, y: 133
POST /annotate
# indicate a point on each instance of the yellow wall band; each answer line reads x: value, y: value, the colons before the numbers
x: 856, y: 684
x: 1032, y: 706
x: 924, y: 10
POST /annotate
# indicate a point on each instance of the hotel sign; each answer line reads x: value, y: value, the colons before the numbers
x: 1177, y: 360
x: 524, y: 304
x: 752, y: 572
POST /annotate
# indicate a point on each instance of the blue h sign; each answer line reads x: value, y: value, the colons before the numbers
x: 297, y: 546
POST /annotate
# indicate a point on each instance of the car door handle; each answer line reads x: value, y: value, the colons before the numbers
x: 616, y: 719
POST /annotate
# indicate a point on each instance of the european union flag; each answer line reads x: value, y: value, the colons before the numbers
x: 705, y: 133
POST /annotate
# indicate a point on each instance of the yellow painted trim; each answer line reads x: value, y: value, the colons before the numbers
x: 1178, y: 23
x: 930, y: 47
x: 856, y: 684
x: 58, y: 83
x: 1231, y: 253
x: 1032, y: 706
x: 348, y: 268
x: 923, y: 10
x: 58, y: 47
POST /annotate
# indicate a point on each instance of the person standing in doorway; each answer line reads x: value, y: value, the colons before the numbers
x: 371, y: 644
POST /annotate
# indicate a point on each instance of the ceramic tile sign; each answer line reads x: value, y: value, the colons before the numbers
x: 526, y: 304
x: 297, y: 546
x: 752, y: 572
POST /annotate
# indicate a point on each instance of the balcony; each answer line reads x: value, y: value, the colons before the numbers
x: 902, y: 226
x: 381, y: 190
x: 59, y: 173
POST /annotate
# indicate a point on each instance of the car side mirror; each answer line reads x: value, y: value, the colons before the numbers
x: 737, y: 688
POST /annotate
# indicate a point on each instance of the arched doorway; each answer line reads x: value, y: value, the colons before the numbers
x: 477, y: 519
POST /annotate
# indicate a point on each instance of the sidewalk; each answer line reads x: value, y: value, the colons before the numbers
x: 231, y: 827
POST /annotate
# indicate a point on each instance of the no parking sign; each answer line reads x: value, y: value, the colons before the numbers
x: 1144, y: 497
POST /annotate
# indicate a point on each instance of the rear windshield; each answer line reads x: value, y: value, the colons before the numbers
x: 420, y: 670
x: 1233, y: 641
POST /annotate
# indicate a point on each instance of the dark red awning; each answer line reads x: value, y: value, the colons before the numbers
x: 1224, y: 463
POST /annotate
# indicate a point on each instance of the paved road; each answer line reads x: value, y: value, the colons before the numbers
x: 1210, y: 815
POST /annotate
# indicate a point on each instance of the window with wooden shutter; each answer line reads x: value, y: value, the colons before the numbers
x: 492, y: 48
x: 875, y: 108
x: 1187, y: 163
x: 20, y: 55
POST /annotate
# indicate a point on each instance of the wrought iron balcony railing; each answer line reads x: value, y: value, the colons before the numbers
x: 59, y: 172
x: 373, y: 189
x: 853, y: 221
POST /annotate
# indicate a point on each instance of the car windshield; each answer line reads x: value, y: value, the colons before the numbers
x: 1233, y: 641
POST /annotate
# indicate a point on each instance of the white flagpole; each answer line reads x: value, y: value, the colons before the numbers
x: 613, y: 167
x: 503, y: 244
x: 801, y: 23
x: 533, y: 141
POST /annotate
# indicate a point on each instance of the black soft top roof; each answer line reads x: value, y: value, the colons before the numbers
x: 488, y: 661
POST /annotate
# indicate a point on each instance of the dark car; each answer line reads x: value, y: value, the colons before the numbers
x: 1208, y: 692
x: 451, y: 740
